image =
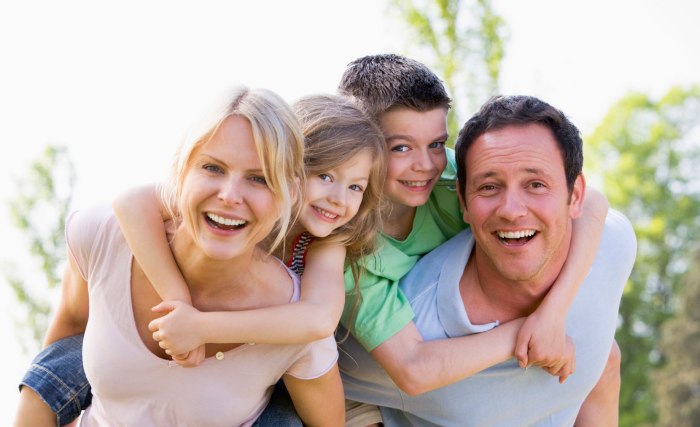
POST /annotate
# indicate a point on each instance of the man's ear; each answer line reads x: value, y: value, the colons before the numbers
x: 462, y: 204
x: 577, y: 195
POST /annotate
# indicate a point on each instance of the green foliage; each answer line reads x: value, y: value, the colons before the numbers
x: 646, y: 151
x: 677, y: 383
x: 38, y: 210
x: 464, y: 41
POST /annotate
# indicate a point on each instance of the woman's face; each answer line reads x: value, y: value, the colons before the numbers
x: 332, y: 198
x: 225, y: 200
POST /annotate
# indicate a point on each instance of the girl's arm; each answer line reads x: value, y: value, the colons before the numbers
x: 141, y: 217
x: 320, y: 401
x: 315, y: 315
x: 542, y: 338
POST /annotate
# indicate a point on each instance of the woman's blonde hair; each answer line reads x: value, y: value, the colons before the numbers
x: 336, y: 130
x: 278, y: 142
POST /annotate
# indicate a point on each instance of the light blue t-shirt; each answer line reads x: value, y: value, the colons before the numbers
x: 503, y: 395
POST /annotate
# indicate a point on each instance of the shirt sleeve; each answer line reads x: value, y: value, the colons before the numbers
x: 317, y: 358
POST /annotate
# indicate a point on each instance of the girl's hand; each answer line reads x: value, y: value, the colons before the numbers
x: 177, y: 332
x: 569, y: 365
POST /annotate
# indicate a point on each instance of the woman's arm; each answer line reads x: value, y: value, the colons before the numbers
x: 316, y: 314
x: 320, y: 401
x: 141, y: 217
x: 542, y: 339
x: 418, y: 366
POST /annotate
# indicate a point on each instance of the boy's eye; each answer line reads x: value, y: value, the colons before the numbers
x: 400, y: 148
x: 325, y: 177
x: 437, y: 144
x: 355, y: 187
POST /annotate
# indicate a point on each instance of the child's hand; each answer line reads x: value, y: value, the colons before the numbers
x: 191, y: 358
x: 176, y: 332
x: 569, y: 365
x: 542, y: 341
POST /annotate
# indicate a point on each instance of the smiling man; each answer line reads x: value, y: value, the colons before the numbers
x: 520, y: 182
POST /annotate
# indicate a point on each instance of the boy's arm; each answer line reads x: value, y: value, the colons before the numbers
x: 418, y: 366
x: 320, y: 401
x: 141, y: 217
x: 541, y: 340
x: 315, y: 315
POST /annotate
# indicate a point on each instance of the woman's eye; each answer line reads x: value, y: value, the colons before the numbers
x: 355, y: 187
x: 259, y: 179
x: 325, y: 177
x: 211, y: 168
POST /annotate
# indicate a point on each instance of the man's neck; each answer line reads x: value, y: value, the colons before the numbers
x: 488, y: 297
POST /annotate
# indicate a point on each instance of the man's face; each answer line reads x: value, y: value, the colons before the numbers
x: 517, y: 203
x: 416, y: 143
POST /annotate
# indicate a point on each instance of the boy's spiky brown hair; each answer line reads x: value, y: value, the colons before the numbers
x: 379, y: 83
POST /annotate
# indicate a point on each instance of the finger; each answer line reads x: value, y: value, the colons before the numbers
x: 164, y: 306
x: 154, y: 325
x: 156, y: 335
x: 521, y: 350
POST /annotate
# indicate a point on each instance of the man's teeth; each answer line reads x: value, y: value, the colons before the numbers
x: 225, y: 221
x: 516, y: 234
x: 415, y: 183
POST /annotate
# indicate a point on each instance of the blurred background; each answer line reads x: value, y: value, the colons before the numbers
x: 96, y: 96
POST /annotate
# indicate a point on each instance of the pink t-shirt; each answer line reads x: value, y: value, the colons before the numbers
x: 133, y: 387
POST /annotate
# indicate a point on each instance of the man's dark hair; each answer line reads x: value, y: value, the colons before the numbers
x: 502, y: 111
x: 380, y: 82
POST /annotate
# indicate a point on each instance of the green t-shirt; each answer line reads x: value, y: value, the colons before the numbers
x: 384, y: 310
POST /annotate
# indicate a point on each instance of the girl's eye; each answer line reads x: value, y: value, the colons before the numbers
x: 355, y: 187
x: 400, y: 148
x: 212, y: 168
x: 437, y: 144
x: 325, y: 177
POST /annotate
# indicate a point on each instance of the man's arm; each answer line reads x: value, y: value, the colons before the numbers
x: 417, y: 366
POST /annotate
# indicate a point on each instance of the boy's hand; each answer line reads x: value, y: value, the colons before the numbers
x: 542, y: 341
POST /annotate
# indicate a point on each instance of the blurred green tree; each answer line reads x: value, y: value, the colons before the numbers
x: 677, y: 383
x: 463, y: 41
x: 38, y: 210
x: 647, y: 152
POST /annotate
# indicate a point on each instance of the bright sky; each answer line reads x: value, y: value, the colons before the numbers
x: 119, y: 83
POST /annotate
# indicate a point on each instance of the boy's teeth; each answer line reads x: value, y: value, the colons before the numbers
x: 516, y: 234
x: 225, y: 221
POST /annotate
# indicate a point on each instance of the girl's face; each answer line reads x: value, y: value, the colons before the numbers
x: 332, y: 198
x: 416, y: 143
x: 225, y: 201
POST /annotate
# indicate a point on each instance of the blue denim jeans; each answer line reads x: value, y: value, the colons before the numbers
x: 57, y: 376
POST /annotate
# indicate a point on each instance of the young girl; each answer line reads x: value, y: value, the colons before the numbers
x: 230, y: 188
x: 344, y: 163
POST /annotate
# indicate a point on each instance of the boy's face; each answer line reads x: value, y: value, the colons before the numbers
x: 416, y: 143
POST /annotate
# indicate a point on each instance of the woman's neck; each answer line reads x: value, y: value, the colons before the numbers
x: 397, y: 220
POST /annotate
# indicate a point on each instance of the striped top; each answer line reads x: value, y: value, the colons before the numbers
x: 297, y: 259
